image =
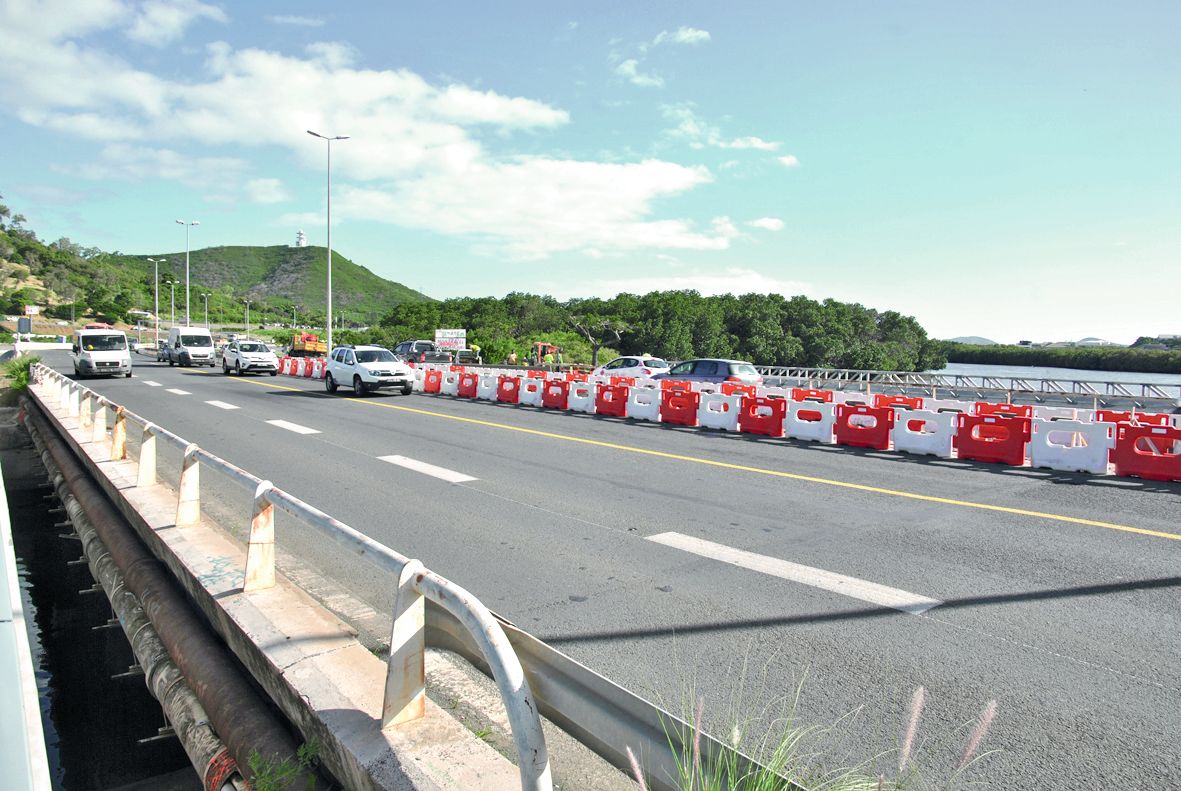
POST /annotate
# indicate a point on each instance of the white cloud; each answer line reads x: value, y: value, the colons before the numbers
x: 682, y: 35
x: 161, y: 22
x: 267, y: 191
x: 298, y: 21
x: 629, y: 70
x: 127, y: 162
x: 767, y: 223
x: 699, y: 133
x: 333, y: 54
x: 789, y: 161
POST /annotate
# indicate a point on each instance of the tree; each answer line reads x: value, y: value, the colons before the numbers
x: 599, y: 331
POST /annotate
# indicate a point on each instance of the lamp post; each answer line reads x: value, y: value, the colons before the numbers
x: 172, y: 284
x: 246, y: 331
x: 187, y: 226
x: 206, y: 296
x: 293, y: 316
x: 156, y: 280
x: 328, y: 320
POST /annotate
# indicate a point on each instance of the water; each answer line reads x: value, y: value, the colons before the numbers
x: 1034, y: 372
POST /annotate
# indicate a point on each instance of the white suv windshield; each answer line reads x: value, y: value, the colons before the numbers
x: 251, y: 347
x: 375, y: 356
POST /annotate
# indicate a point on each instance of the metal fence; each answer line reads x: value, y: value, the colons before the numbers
x: 405, y: 686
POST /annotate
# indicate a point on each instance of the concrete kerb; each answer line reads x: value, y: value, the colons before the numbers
x: 308, y: 661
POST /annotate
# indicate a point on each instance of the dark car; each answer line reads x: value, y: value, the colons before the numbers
x: 422, y: 352
x: 713, y: 370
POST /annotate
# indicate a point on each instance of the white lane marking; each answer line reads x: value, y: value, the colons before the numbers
x: 150, y: 383
x: 451, y: 476
x: 298, y: 429
x: 177, y: 392
x: 221, y: 405
x: 818, y: 578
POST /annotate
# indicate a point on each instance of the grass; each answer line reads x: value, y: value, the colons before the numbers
x: 275, y: 775
x: 789, y: 755
x: 16, y: 373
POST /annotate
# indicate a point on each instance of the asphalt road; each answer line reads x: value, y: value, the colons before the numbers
x: 1055, y: 594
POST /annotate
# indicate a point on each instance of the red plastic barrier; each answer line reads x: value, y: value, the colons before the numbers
x: 732, y: 388
x: 762, y: 416
x: 1002, y: 439
x: 306, y: 368
x: 679, y: 407
x: 468, y: 384
x: 1147, y: 452
x: 1143, y: 418
x: 556, y: 395
x: 630, y: 381
x: 432, y: 381
x: 802, y: 394
x: 574, y: 376
x: 910, y: 402
x: 535, y: 374
x: 456, y: 369
x: 508, y: 389
x: 1015, y: 410
x: 611, y: 399
x: 679, y: 385
x: 862, y: 434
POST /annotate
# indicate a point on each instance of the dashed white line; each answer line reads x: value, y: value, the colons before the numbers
x: 177, y: 392
x: 150, y: 383
x: 298, y: 429
x: 818, y: 578
x: 221, y: 405
x: 442, y: 473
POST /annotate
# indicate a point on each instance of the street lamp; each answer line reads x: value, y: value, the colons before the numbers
x: 156, y: 280
x: 328, y: 321
x: 206, y: 310
x: 246, y: 331
x: 293, y: 307
x: 172, y: 284
x: 187, y: 226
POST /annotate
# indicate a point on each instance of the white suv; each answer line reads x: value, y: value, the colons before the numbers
x: 249, y: 357
x: 365, y: 369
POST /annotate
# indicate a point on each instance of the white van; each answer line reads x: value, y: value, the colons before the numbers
x: 190, y: 346
x: 101, y: 352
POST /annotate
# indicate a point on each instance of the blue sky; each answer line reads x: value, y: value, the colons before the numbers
x: 1003, y: 169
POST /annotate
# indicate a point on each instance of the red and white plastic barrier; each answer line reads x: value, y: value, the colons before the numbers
x: 811, y: 420
x: 582, y: 397
x: 486, y: 386
x: 762, y: 415
x: 999, y: 438
x: 863, y: 426
x: 531, y: 391
x: 716, y: 410
x: 508, y: 389
x: 924, y: 432
x: 643, y: 403
x: 679, y: 407
x: 556, y: 395
x: 1146, y: 451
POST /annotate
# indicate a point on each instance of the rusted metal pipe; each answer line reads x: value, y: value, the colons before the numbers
x: 240, y: 715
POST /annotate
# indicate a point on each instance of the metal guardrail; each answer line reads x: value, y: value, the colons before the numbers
x: 843, y: 377
x: 405, y: 687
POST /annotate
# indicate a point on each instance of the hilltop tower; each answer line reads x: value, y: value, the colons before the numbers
x: 301, y: 238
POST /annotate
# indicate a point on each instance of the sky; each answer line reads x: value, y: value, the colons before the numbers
x: 1004, y: 169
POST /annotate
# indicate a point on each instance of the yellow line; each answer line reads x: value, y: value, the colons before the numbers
x: 763, y: 471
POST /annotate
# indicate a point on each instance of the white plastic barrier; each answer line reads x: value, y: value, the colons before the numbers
x: 1055, y: 413
x: 1071, y: 445
x: 841, y: 397
x: 582, y: 397
x: 806, y: 427
x: 774, y: 392
x: 530, y: 394
x: 648, y: 383
x: 950, y: 404
x: 318, y: 369
x: 643, y: 403
x: 486, y: 387
x: 924, y: 432
x: 419, y: 380
x: 450, y: 384
x: 719, y: 411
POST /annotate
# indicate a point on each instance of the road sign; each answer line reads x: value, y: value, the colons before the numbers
x: 24, y: 325
x: 451, y: 339
x: 32, y: 310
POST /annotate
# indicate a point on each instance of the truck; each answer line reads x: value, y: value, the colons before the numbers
x: 422, y: 352
x: 305, y: 344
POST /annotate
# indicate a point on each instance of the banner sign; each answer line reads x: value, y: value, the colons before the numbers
x: 451, y: 339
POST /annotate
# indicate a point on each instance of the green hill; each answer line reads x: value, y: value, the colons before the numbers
x: 278, y: 277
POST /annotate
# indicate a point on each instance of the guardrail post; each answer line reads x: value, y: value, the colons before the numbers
x: 63, y: 392
x: 75, y: 395
x: 260, y: 552
x: 99, y: 432
x: 85, y: 410
x: 188, y: 500
x: 119, y: 436
x: 147, y: 457
x: 405, y: 680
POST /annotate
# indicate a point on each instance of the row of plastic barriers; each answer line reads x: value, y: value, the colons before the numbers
x: 1100, y: 442
x: 305, y: 367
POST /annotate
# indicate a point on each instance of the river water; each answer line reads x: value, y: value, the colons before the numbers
x: 1075, y: 374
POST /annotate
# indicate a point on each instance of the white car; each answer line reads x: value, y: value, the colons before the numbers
x: 639, y: 366
x: 365, y: 369
x: 242, y: 357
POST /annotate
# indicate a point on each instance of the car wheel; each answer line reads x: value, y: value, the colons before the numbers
x: 358, y: 386
x: 274, y: 373
x: 329, y: 383
x: 238, y: 368
x: 407, y: 390
x: 171, y: 362
x: 128, y: 374
x: 225, y: 369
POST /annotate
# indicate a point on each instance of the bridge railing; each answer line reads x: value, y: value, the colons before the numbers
x: 405, y: 685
